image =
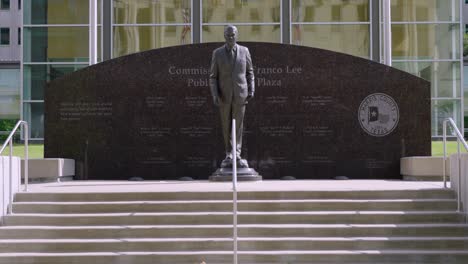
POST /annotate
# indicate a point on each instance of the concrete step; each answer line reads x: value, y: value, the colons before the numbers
x: 247, y: 195
x: 204, y: 218
x: 226, y: 206
x: 346, y: 226
x: 245, y: 257
x: 259, y: 230
x: 222, y: 244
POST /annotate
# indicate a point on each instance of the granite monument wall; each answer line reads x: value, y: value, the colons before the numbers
x: 316, y: 114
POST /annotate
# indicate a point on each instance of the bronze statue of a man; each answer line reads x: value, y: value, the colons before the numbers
x: 232, y: 86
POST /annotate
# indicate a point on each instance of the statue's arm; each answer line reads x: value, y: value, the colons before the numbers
x: 250, y: 75
x: 214, y: 78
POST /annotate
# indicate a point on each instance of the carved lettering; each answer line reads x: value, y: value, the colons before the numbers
x: 75, y: 111
x: 197, y: 82
x: 268, y: 82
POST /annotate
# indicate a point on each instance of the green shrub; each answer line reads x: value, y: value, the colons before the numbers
x: 465, y: 45
x: 5, y: 128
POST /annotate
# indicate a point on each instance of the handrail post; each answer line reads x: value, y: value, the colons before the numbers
x: 445, y: 152
x: 26, y: 157
x: 234, y: 189
x: 10, y: 202
x: 459, y: 175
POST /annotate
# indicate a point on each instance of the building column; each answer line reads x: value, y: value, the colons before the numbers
x: 286, y: 22
x: 196, y: 21
x: 387, y: 32
x: 375, y: 31
x: 92, y: 32
x: 106, y: 23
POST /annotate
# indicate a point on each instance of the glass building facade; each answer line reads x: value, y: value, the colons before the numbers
x: 465, y: 62
x: 426, y: 41
x: 426, y: 37
x: 10, y: 61
x: 9, y: 94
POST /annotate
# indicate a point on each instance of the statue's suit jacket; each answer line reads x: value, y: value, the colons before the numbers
x: 232, y: 82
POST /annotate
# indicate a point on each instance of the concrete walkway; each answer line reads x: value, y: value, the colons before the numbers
x: 206, y: 186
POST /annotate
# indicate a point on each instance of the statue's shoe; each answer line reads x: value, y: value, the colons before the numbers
x: 242, y: 163
x: 226, y: 163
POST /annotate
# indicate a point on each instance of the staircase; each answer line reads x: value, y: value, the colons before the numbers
x: 404, y: 226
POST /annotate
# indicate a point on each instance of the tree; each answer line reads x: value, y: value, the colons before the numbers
x: 465, y: 45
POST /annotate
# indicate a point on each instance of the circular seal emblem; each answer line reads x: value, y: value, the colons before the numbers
x: 378, y: 114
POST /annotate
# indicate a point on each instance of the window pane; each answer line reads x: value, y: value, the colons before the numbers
x: 426, y: 41
x: 465, y: 90
x: 350, y: 39
x: 4, y: 4
x: 465, y: 43
x: 330, y: 11
x: 136, y: 39
x: 34, y: 115
x: 9, y: 94
x: 444, y: 76
x: 246, y: 33
x: 56, y: 44
x: 37, y: 76
x: 58, y: 11
x: 215, y: 11
x: 147, y: 12
x: 425, y: 10
x: 4, y: 36
x: 441, y: 110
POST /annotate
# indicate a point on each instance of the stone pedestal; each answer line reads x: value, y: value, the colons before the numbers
x: 243, y: 174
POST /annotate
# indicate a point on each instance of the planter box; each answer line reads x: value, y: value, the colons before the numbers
x: 423, y: 168
x: 47, y: 170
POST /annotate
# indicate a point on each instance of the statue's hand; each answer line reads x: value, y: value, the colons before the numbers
x: 216, y: 100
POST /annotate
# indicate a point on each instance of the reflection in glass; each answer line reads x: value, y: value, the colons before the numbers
x: 444, y: 76
x: 425, y: 10
x: 330, y: 11
x: 57, y: 11
x: 465, y: 91
x: 441, y: 110
x: 148, y: 12
x: 56, y: 44
x: 246, y: 33
x: 37, y: 76
x: 134, y: 39
x: 215, y: 11
x: 426, y: 41
x: 9, y: 94
x: 33, y: 113
x: 350, y: 39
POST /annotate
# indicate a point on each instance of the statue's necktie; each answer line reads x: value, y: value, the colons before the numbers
x: 232, y: 55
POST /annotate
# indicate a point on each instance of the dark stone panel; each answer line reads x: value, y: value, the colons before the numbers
x: 316, y: 114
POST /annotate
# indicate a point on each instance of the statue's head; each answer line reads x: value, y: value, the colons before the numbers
x: 230, y: 35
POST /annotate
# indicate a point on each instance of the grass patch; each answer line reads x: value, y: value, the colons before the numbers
x: 438, y: 148
x: 36, y: 151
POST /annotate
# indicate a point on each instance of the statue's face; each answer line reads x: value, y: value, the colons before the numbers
x: 230, y: 36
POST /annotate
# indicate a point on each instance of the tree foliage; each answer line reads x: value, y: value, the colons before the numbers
x: 6, y: 125
x: 465, y: 45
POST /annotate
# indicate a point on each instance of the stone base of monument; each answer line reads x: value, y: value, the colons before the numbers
x: 243, y: 174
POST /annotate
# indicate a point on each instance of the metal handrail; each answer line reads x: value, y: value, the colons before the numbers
x: 9, y: 141
x: 459, y: 138
x: 234, y: 190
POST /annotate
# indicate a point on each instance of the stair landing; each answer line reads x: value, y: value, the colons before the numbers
x: 206, y: 186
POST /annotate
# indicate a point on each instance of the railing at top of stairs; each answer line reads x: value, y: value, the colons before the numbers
x: 460, y: 138
x: 9, y: 141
